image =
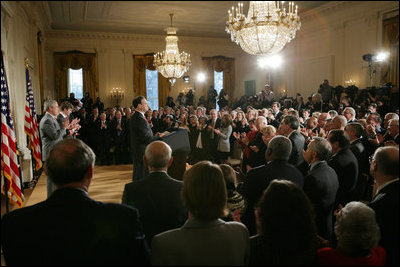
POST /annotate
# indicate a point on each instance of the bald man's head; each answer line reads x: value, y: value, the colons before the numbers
x: 387, y: 161
x: 157, y: 155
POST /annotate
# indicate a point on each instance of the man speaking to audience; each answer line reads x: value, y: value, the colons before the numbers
x: 141, y: 135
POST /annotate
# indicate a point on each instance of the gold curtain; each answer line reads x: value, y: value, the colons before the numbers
x: 390, y: 70
x: 76, y: 60
x: 141, y: 63
x: 220, y: 63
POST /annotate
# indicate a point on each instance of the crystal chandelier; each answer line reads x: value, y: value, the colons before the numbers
x: 267, y: 28
x: 169, y: 62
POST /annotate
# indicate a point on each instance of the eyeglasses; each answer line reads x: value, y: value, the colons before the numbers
x: 371, y: 159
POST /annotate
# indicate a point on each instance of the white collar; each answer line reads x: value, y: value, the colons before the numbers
x: 312, y: 166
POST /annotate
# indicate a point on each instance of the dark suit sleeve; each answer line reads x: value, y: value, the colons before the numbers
x: 139, y: 249
x: 125, y: 195
x: 311, y: 188
x: 143, y: 130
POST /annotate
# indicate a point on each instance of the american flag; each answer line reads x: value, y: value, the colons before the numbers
x: 9, y: 158
x: 31, y: 125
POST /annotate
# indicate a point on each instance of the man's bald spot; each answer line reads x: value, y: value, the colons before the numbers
x: 158, y: 154
x: 387, y: 160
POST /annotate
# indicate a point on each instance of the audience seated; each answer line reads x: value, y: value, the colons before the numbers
x: 385, y: 203
x: 157, y: 196
x: 286, y: 229
x: 358, y: 236
x: 70, y: 228
x: 204, y: 239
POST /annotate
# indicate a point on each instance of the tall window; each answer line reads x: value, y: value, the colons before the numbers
x: 75, y: 83
x: 218, y: 82
x: 152, y: 88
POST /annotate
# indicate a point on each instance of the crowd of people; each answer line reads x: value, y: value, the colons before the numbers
x: 317, y: 182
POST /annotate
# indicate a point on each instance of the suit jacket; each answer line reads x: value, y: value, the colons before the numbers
x: 118, y: 136
x: 50, y: 133
x: 321, y: 186
x: 346, y: 167
x: 157, y: 197
x: 386, y: 207
x: 70, y: 228
x: 361, y: 155
x: 258, y: 179
x: 257, y: 158
x: 213, y: 243
x: 140, y: 135
x: 60, y: 119
x: 298, y: 140
x: 217, y: 126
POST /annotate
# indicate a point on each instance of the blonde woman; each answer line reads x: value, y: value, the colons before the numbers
x: 268, y: 133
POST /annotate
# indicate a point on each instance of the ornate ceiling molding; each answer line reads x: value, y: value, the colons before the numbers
x: 101, y: 35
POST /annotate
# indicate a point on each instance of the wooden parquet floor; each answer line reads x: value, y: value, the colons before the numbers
x: 107, y: 184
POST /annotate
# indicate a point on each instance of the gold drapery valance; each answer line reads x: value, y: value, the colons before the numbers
x: 390, y: 69
x: 220, y: 63
x: 76, y: 60
x: 141, y: 63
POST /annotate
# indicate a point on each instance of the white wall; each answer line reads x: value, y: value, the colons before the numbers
x: 330, y: 44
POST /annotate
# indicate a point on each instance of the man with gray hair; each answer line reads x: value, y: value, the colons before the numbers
x: 290, y: 127
x: 51, y: 132
x: 157, y: 196
x: 339, y: 122
x: 70, y: 228
x: 385, y: 203
x: 350, y: 114
x: 257, y: 179
x: 321, y: 184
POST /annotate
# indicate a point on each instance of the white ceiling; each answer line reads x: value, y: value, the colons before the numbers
x: 193, y: 18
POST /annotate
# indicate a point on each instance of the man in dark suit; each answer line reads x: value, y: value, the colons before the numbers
x: 70, y: 228
x: 213, y: 123
x: 385, y: 170
x: 289, y: 127
x: 103, y: 140
x: 65, y: 111
x: 157, y: 197
x: 93, y: 120
x: 140, y: 135
x: 258, y: 178
x: 354, y: 131
x: 345, y: 165
x: 276, y: 108
x: 118, y: 127
x: 321, y: 184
